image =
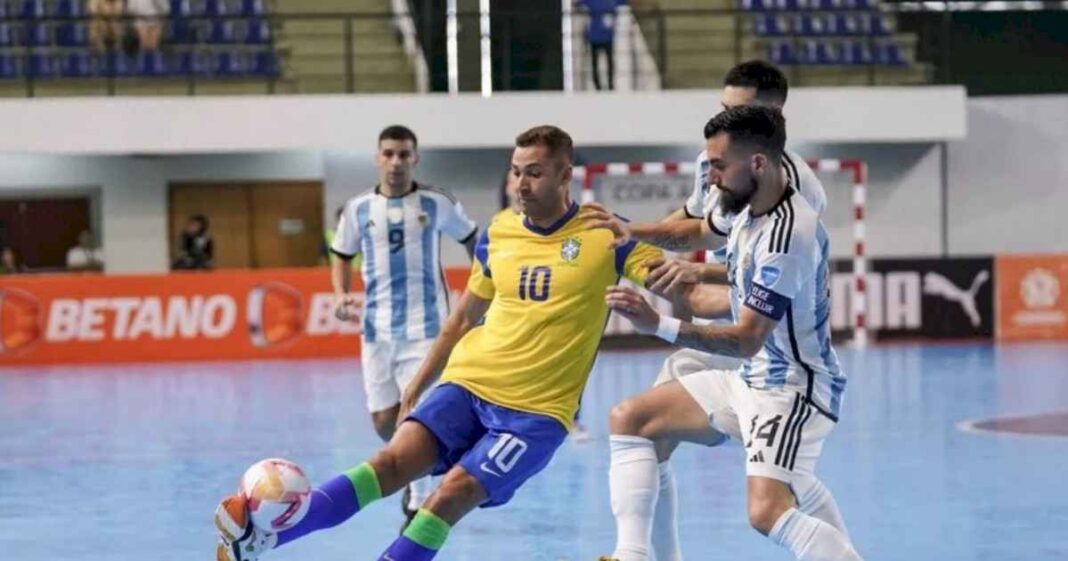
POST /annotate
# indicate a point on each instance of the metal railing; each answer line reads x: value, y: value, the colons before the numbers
x: 364, y: 52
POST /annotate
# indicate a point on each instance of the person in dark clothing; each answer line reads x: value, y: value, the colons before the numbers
x: 600, y: 34
x: 197, y: 248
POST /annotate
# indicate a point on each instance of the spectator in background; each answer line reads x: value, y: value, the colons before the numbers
x: 149, y: 18
x: 601, y: 34
x: 197, y: 250
x: 10, y: 262
x: 85, y: 256
x: 105, y: 24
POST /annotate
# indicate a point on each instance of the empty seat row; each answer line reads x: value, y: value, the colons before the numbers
x: 842, y: 24
x: 797, y: 5
x: 220, y: 64
x: 815, y: 52
x: 37, y: 9
x: 251, y: 32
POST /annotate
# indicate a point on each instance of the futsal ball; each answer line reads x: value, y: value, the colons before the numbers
x: 278, y: 494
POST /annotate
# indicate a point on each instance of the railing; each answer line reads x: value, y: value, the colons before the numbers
x: 913, y: 42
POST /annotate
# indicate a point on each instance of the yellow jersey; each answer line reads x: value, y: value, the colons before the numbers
x: 535, y: 348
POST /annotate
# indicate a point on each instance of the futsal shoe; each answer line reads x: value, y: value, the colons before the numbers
x: 239, y: 539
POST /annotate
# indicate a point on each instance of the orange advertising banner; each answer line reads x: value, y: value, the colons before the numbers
x: 278, y: 313
x: 1032, y: 299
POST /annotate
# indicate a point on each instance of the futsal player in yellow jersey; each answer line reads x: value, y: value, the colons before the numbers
x: 512, y: 359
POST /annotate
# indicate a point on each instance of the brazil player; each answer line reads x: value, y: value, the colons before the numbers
x: 396, y: 227
x: 784, y: 399
x: 513, y: 358
x: 702, y: 224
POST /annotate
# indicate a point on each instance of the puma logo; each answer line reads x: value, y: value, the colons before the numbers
x: 935, y: 284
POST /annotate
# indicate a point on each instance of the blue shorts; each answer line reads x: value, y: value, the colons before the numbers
x: 499, y: 447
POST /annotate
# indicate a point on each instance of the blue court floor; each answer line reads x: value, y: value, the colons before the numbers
x: 128, y: 462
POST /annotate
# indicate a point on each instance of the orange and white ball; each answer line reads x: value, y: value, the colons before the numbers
x: 278, y: 494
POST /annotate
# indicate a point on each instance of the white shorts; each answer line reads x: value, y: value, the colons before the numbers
x: 684, y: 362
x: 388, y: 368
x: 782, y: 433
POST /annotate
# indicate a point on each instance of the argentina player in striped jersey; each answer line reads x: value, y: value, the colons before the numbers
x: 703, y: 224
x: 397, y: 228
x: 784, y: 399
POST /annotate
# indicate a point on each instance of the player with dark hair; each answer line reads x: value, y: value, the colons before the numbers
x: 512, y: 358
x: 784, y: 399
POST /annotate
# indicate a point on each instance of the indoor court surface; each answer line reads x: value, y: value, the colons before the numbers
x: 127, y: 462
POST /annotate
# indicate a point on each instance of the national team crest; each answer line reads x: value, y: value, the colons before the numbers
x: 569, y: 250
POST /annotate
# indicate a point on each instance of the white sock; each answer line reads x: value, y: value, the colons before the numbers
x: 665, y: 521
x: 811, y: 539
x: 814, y: 499
x: 633, y: 483
x: 420, y: 491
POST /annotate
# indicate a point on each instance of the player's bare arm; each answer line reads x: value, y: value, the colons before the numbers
x: 741, y: 339
x: 468, y: 312
x: 345, y: 305
x: 668, y: 275
x: 686, y: 234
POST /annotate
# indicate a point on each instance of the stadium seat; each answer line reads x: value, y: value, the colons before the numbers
x: 767, y: 25
x: 880, y: 24
x: 180, y: 9
x: 76, y: 65
x: 151, y: 64
x: 9, y: 67
x: 68, y: 9
x: 257, y: 32
x: 782, y: 53
x: 228, y: 64
x: 36, y: 35
x: 5, y: 10
x: 32, y: 9
x: 809, y: 24
x: 180, y: 31
x: 215, y: 8
x: 114, y: 64
x: 41, y: 66
x: 7, y: 35
x: 252, y: 8
x: 71, y: 35
x: 193, y: 63
x: 857, y: 53
x: 890, y: 54
x: 221, y: 32
x: 755, y: 5
x: 265, y: 63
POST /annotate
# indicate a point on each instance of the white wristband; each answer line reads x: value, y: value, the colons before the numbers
x: 668, y: 328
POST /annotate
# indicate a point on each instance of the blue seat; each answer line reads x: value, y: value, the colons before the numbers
x: 810, y: 24
x: 880, y: 24
x: 858, y: 53
x: 228, y: 64
x: 32, y: 9
x: 215, y: 8
x: 193, y: 63
x: 756, y: 5
x: 767, y: 25
x: 76, y: 65
x: 180, y: 31
x: 257, y: 32
x: 9, y: 67
x: 114, y: 64
x: 41, y: 65
x: 180, y: 9
x: 5, y: 9
x: 36, y: 35
x: 863, y: 4
x: 265, y: 63
x: 890, y: 54
x: 151, y: 64
x: 71, y: 35
x: 252, y: 8
x: 68, y: 9
x: 7, y: 35
x: 782, y: 53
x: 221, y: 32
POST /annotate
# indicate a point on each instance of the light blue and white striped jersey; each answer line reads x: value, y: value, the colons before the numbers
x: 777, y: 265
x: 704, y: 198
x: 399, y: 238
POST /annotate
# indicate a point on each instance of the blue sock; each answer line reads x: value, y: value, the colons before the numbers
x: 421, y: 541
x: 336, y: 501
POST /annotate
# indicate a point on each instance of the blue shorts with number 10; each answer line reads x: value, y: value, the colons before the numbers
x: 499, y: 447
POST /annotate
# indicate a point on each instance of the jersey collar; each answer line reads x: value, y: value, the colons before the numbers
x: 378, y: 191
x: 571, y: 211
x: 789, y: 192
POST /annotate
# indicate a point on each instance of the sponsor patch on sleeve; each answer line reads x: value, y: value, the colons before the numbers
x: 766, y: 302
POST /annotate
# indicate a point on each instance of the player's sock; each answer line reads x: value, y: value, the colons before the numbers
x: 420, y: 541
x: 633, y: 486
x: 811, y: 539
x: 336, y: 501
x: 814, y: 499
x: 665, y: 520
x: 420, y: 491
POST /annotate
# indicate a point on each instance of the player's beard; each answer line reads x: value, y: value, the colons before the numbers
x: 733, y: 203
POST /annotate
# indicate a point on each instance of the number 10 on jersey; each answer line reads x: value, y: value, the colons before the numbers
x: 534, y: 283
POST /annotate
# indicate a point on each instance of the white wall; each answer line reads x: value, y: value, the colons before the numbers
x: 1009, y: 179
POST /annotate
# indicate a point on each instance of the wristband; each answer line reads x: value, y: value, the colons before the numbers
x: 668, y: 328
